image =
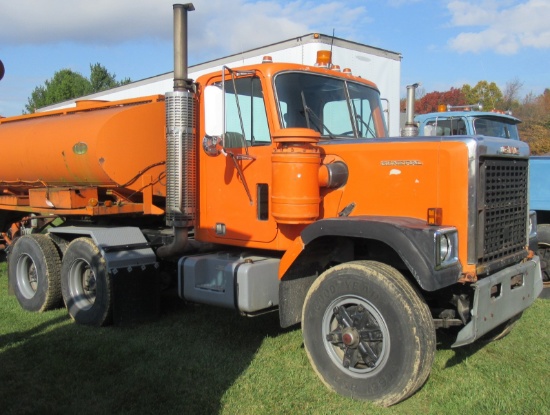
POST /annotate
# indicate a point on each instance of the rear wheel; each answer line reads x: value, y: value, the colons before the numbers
x: 86, y: 284
x: 367, y: 333
x: 34, y: 272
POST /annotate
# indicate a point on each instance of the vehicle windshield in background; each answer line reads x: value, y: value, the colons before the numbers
x: 334, y: 107
x: 494, y: 127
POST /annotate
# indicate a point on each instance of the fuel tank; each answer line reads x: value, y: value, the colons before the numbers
x: 105, y: 144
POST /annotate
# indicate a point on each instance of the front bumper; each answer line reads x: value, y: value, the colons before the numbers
x: 500, y: 297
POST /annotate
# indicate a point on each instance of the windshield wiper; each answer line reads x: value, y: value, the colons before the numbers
x: 367, y: 127
x: 318, y: 123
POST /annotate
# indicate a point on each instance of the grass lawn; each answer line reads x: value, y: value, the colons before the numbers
x: 204, y: 360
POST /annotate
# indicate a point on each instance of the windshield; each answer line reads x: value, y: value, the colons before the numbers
x: 332, y: 106
x: 496, y: 127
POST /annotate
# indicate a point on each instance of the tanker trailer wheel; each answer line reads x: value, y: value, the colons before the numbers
x: 86, y: 284
x: 367, y: 333
x: 33, y: 269
x: 543, y: 251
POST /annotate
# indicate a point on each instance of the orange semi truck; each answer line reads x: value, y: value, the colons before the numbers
x: 273, y: 187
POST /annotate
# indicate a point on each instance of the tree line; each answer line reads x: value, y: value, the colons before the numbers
x: 67, y: 84
x: 533, y: 110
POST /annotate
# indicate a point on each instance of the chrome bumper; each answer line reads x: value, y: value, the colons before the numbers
x: 500, y: 297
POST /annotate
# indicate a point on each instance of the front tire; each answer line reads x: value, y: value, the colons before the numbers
x: 86, y: 284
x: 367, y: 333
x: 34, y: 268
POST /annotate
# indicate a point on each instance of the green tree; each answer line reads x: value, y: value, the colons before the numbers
x: 67, y: 84
x: 488, y: 94
x: 101, y: 79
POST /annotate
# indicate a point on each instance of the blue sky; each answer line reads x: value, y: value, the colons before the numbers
x: 444, y: 43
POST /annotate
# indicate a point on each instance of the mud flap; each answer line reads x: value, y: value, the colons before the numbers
x: 136, y: 295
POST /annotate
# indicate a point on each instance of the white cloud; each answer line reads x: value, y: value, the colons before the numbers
x: 219, y: 25
x: 503, y: 26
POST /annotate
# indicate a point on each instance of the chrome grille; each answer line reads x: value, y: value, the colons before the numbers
x: 502, y: 212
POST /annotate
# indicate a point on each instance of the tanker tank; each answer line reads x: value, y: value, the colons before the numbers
x: 103, y: 144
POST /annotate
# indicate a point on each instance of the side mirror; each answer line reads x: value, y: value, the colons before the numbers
x: 213, y: 111
x: 2, y: 70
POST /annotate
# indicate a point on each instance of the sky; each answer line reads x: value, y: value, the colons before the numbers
x: 444, y: 43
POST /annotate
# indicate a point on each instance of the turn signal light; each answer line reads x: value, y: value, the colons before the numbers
x: 435, y: 216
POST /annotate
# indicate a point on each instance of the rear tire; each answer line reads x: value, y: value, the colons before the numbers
x: 86, y: 284
x: 34, y: 268
x: 367, y: 333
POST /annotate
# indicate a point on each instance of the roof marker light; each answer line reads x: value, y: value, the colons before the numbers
x: 267, y: 59
x: 324, y: 58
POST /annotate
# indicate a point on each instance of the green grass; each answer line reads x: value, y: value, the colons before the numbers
x: 204, y: 360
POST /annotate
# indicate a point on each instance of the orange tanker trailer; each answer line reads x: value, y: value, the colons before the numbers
x: 272, y: 187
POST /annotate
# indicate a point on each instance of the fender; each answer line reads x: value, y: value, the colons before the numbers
x: 122, y: 247
x: 412, y: 239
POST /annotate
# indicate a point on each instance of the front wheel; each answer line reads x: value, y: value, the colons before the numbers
x: 367, y: 333
x: 86, y: 284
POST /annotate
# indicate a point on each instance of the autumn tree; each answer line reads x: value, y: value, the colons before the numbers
x: 431, y: 101
x: 535, y: 128
x: 67, y: 84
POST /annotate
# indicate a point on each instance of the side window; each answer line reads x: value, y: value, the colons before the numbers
x: 245, y: 111
x: 445, y: 126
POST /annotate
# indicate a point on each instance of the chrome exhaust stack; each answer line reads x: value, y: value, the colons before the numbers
x: 181, y: 165
x: 410, y: 129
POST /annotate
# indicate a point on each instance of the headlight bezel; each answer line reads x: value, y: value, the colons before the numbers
x: 446, y: 247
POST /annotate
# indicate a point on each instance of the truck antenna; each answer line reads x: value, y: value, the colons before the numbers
x: 331, y: 44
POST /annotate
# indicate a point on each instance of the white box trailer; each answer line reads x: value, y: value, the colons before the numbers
x: 381, y: 66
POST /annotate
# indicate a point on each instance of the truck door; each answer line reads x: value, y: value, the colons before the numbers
x: 234, y: 184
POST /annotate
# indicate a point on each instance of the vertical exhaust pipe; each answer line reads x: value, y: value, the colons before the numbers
x: 180, y: 46
x: 181, y: 163
x: 410, y: 129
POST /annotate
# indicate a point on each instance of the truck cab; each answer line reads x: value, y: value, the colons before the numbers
x: 468, y: 120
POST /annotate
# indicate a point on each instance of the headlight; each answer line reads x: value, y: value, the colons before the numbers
x: 446, y: 247
x: 532, y: 224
